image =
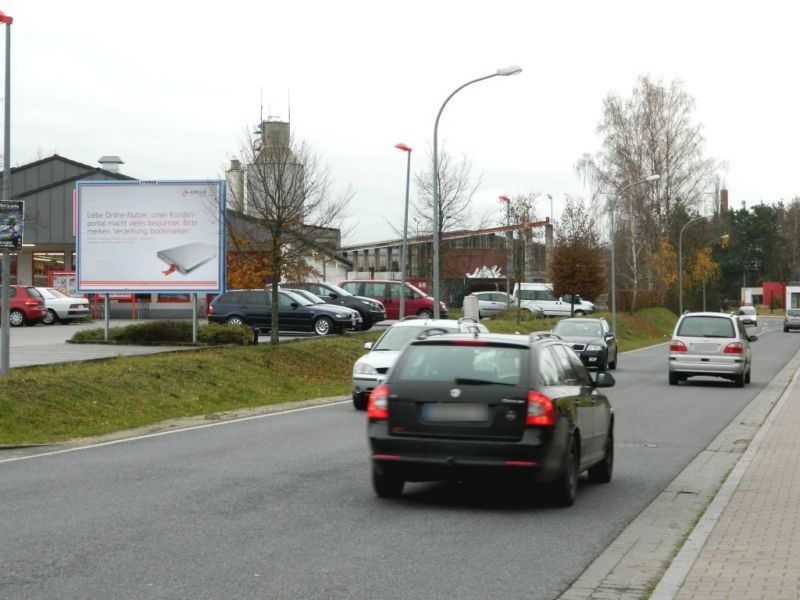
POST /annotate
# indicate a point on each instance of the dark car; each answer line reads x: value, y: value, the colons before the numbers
x: 372, y: 311
x: 26, y: 306
x: 295, y: 313
x: 591, y: 339
x: 314, y: 299
x: 460, y: 406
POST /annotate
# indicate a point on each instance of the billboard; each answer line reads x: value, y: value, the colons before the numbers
x: 11, y: 224
x: 158, y: 236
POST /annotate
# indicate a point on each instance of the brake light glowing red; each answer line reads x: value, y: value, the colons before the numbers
x: 540, y: 409
x: 378, y: 403
x: 677, y: 346
x: 734, y: 348
x: 469, y: 342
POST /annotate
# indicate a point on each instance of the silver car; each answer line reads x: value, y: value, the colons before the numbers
x: 370, y: 370
x: 710, y: 344
x: 791, y: 320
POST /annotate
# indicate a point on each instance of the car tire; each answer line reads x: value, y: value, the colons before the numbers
x: 579, y: 313
x: 674, y: 379
x: 323, y: 326
x: 747, y: 377
x: 359, y: 401
x: 16, y: 318
x: 602, y: 471
x: 613, y: 364
x: 738, y: 380
x: 386, y: 485
x: 234, y: 320
x: 785, y: 330
x: 50, y: 317
x: 564, y: 490
x: 425, y: 314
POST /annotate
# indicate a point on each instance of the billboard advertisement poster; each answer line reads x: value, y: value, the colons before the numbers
x: 140, y: 236
x: 11, y: 224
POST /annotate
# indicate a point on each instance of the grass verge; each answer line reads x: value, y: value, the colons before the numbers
x: 53, y: 403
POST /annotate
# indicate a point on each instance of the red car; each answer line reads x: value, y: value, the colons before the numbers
x: 26, y: 306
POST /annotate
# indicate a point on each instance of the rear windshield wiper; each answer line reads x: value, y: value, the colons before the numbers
x: 469, y: 381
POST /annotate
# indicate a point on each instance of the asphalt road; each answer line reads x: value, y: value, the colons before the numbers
x: 281, y: 506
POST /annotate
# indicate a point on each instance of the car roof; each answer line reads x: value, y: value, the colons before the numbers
x: 416, y: 322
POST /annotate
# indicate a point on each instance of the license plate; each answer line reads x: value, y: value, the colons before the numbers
x: 451, y: 412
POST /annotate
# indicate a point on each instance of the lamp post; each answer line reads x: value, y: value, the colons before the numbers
x: 5, y: 291
x: 648, y: 179
x: 680, y: 262
x: 513, y: 70
x: 404, y: 258
x: 509, y: 255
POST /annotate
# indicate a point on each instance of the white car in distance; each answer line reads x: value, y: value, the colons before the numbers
x: 62, y: 307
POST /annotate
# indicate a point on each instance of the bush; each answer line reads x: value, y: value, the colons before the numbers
x: 168, y: 332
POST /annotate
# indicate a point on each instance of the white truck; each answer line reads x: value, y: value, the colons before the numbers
x: 541, y: 294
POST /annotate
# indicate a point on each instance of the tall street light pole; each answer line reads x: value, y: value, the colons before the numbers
x: 500, y: 72
x: 404, y: 259
x: 5, y: 292
x: 509, y: 255
x: 680, y: 261
x: 648, y: 179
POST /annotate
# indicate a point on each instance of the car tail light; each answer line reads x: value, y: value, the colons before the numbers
x: 677, y: 346
x: 378, y: 404
x: 734, y: 348
x: 210, y: 310
x: 469, y: 342
x: 540, y: 409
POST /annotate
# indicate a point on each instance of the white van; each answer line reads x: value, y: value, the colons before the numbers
x: 541, y: 294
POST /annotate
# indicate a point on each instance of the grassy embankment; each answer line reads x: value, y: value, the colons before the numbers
x: 59, y: 402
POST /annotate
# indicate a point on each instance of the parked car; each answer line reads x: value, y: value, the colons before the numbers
x: 494, y: 303
x: 713, y: 344
x: 295, y: 313
x: 25, y: 306
x: 747, y: 315
x: 387, y: 292
x: 371, y: 369
x: 792, y: 319
x: 461, y: 406
x: 316, y: 300
x: 591, y: 339
x: 372, y: 311
x: 62, y: 307
x: 541, y: 294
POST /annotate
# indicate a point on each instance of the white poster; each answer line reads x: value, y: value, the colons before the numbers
x: 150, y: 236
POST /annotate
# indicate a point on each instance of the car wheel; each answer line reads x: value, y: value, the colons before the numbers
x: 674, y: 379
x: 785, y: 330
x: 16, y: 318
x: 50, y: 317
x: 386, y: 485
x: 234, y: 320
x: 425, y: 314
x: 613, y: 364
x: 579, y: 313
x: 323, y: 326
x: 601, y: 472
x: 360, y: 401
x: 747, y: 377
x: 564, y: 490
x: 739, y: 380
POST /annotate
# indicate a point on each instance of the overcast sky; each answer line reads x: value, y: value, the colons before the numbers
x: 172, y: 86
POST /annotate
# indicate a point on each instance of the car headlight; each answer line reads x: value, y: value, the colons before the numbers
x: 594, y: 348
x: 363, y: 368
x: 343, y: 315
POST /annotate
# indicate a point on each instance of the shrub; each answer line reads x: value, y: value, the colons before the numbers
x: 168, y: 332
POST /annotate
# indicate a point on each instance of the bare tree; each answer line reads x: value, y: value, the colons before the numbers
x: 281, y: 205
x: 649, y: 133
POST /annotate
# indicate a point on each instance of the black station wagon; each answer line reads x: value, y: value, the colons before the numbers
x: 461, y: 406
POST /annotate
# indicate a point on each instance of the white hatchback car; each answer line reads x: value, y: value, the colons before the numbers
x: 713, y: 344
x: 62, y: 307
x: 370, y: 370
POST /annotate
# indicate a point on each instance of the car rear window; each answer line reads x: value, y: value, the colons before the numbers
x: 793, y: 312
x: 706, y: 326
x: 462, y: 363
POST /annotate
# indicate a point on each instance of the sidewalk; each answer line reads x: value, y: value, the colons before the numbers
x: 747, y: 544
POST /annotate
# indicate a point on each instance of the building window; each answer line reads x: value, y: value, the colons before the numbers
x: 43, y: 264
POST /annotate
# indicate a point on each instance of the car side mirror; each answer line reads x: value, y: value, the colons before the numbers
x: 294, y: 305
x: 604, y: 379
x: 368, y: 346
x: 752, y: 338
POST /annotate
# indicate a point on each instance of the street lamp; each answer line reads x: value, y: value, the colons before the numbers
x: 648, y: 179
x: 5, y: 286
x: 680, y: 261
x: 513, y: 70
x: 509, y: 255
x: 404, y: 259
